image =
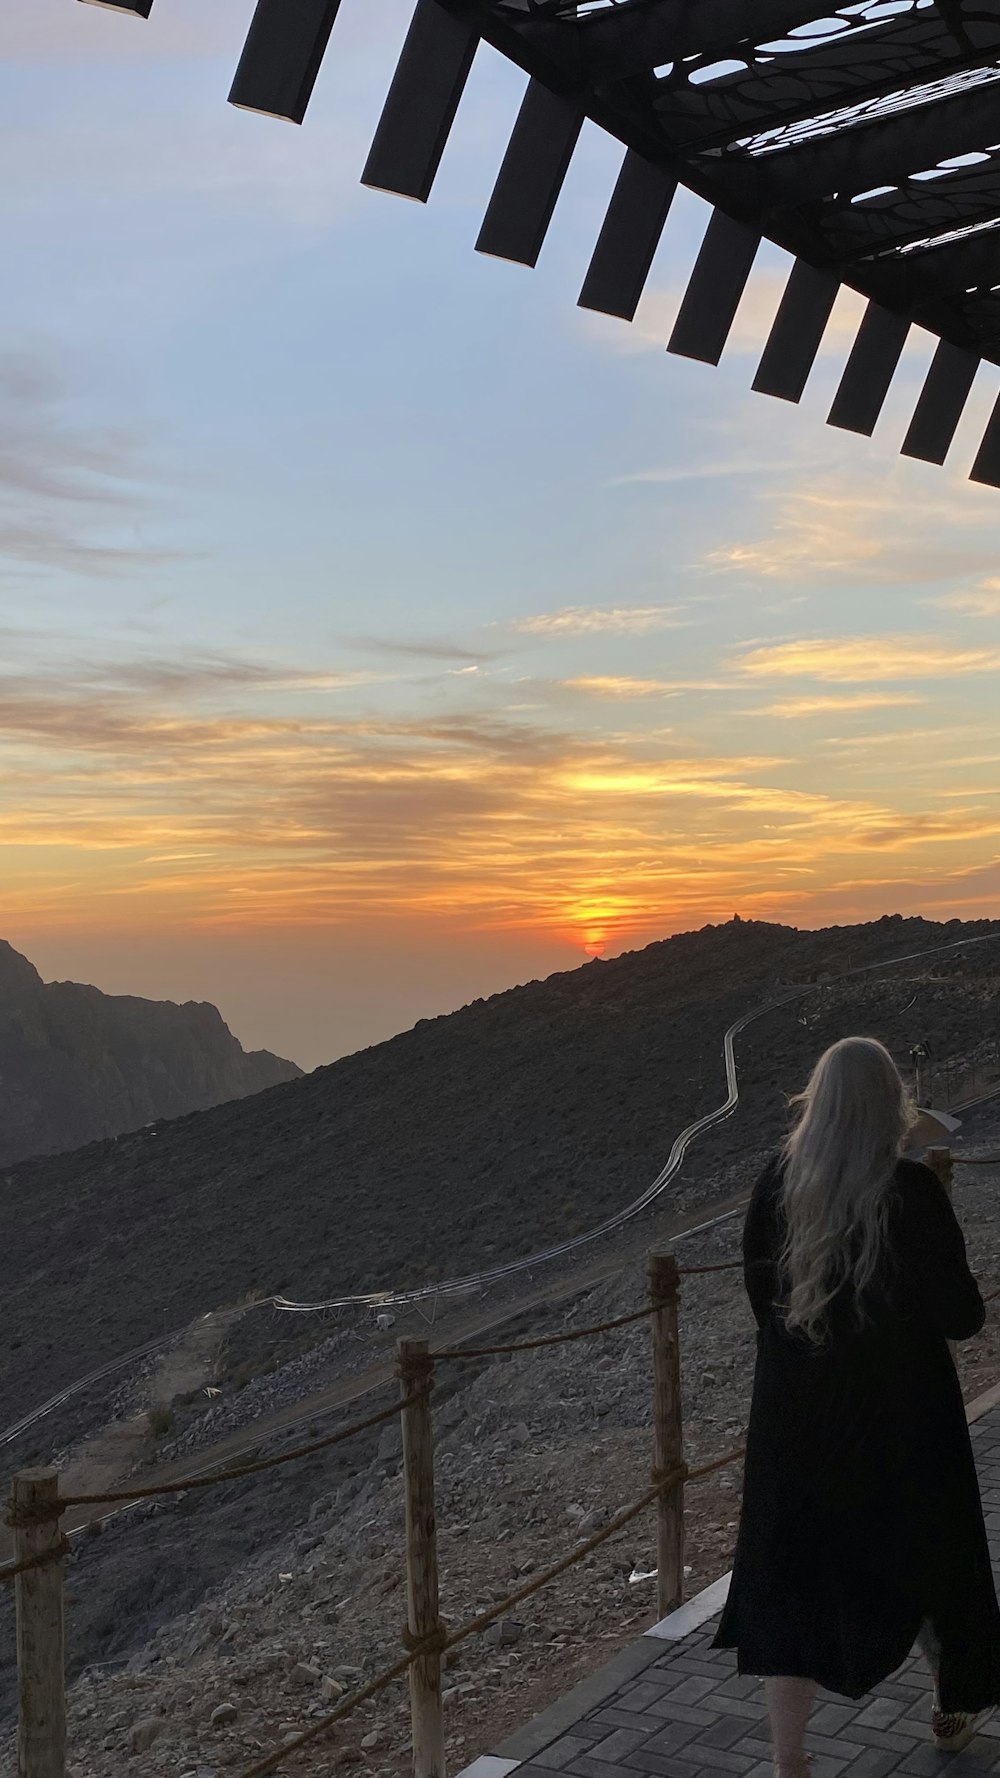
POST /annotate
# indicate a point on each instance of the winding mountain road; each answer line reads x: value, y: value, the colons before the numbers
x: 398, y: 1299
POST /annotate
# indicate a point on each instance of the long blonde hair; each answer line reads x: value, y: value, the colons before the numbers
x: 852, y: 1123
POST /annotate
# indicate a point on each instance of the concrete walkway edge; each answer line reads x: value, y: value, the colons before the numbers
x: 601, y: 1685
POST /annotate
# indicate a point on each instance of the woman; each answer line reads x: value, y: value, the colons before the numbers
x: 862, y: 1528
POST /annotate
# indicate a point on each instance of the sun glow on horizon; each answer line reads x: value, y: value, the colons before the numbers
x: 364, y: 604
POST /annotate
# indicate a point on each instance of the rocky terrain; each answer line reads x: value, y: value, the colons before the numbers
x: 206, y: 1630
x: 471, y: 1139
x: 77, y: 1065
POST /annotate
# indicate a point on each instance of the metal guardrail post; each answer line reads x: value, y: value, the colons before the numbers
x: 416, y: 1370
x: 41, y: 1723
x: 668, y: 1431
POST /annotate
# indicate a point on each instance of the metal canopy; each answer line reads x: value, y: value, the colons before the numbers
x: 864, y: 139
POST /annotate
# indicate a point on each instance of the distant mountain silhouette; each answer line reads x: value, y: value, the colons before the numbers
x: 77, y: 1065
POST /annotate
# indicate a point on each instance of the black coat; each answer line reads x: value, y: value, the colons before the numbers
x: 861, y: 1512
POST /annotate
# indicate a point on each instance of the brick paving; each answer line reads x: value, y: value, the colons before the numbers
x: 686, y: 1713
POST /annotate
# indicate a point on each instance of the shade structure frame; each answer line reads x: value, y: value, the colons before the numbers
x: 630, y: 234
x: 531, y: 175
x: 422, y: 102
x: 869, y: 370
x: 796, y: 335
x: 139, y: 9
x: 940, y: 404
x: 717, y: 282
x: 890, y: 102
x: 986, y: 467
x: 279, y: 66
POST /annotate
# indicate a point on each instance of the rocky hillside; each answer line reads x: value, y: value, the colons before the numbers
x: 475, y: 1137
x: 205, y: 1630
x: 77, y: 1065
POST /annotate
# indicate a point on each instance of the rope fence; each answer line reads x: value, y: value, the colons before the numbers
x: 442, y: 1641
x: 36, y: 1509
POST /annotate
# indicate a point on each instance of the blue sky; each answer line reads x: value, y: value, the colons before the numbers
x: 380, y: 628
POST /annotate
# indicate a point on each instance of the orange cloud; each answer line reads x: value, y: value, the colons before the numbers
x: 821, y: 706
x: 142, y: 800
x: 861, y: 658
x: 869, y: 531
x: 611, y: 686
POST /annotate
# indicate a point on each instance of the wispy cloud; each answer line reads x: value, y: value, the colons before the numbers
x: 589, y: 620
x: 669, y: 474
x: 255, y: 815
x: 869, y: 531
x: 73, y: 496
x: 981, y: 601
x: 179, y: 678
x: 859, y: 659
x: 608, y: 685
x: 424, y: 648
x: 824, y: 705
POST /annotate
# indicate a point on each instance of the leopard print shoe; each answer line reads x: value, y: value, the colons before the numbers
x: 954, y: 1729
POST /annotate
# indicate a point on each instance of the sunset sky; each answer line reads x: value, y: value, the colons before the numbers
x: 379, y: 628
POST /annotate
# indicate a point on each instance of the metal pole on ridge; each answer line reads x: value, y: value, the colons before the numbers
x: 41, y: 1723
x: 416, y: 1371
x: 668, y: 1431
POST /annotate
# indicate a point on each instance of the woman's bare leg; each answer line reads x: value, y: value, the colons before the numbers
x: 789, y: 1702
x: 930, y: 1648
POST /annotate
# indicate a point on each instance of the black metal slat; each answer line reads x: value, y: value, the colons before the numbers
x: 530, y: 179
x: 869, y: 370
x: 423, y: 99
x: 714, y: 289
x: 629, y: 238
x: 986, y: 468
x: 141, y: 8
x: 281, y: 57
x: 940, y: 404
x: 796, y: 332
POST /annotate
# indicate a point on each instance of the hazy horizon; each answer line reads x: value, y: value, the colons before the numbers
x: 418, y: 998
x: 380, y: 629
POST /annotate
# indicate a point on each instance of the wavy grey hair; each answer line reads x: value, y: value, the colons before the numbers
x: 853, y: 1119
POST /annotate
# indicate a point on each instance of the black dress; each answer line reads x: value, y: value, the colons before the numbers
x: 861, y: 1513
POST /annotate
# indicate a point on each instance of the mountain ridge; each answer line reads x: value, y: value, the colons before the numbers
x: 476, y: 1137
x: 78, y: 1065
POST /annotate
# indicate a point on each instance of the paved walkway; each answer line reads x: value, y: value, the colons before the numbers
x: 670, y: 1706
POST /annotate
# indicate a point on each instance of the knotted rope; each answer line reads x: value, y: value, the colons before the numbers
x: 11, y: 1570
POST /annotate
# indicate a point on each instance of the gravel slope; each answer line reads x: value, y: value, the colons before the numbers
x: 472, y: 1138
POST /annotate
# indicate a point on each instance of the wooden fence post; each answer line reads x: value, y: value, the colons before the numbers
x: 416, y: 1371
x: 668, y: 1431
x: 41, y: 1671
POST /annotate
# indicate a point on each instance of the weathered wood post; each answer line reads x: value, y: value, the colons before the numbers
x: 41, y: 1723
x: 668, y: 1432
x: 416, y: 1371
